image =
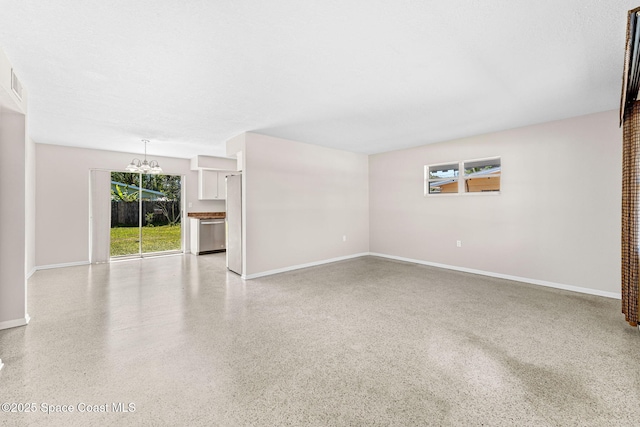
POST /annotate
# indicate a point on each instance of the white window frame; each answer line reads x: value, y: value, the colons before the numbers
x: 427, y: 180
x: 461, y: 178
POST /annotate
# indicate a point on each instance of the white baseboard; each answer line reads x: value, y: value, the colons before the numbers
x: 30, y: 273
x: 579, y: 289
x: 67, y: 264
x: 562, y: 286
x: 614, y: 295
x: 15, y: 323
x: 299, y: 266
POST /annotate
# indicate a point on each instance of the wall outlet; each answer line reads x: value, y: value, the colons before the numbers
x: 459, y: 243
x: 190, y: 204
x: 344, y: 238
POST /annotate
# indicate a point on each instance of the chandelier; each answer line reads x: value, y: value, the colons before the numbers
x: 145, y: 166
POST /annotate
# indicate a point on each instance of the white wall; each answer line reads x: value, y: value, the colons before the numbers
x: 62, y: 198
x: 301, y: 200
x: 15, y: 191
x: 30, y: 205
x: 557, y: 219
x: 12, y: 219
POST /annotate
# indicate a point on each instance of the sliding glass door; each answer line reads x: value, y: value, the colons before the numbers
x: 146, y: 214
x: 160, y: 226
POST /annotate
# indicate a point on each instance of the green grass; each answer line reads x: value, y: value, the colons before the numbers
x: 124, y: 240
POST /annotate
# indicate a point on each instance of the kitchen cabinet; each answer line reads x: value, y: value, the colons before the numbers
x: 207, y: 184
x: 222, y: 185
x: 212, y: 184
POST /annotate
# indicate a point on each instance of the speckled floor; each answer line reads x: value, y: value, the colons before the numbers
x: 360, y: 343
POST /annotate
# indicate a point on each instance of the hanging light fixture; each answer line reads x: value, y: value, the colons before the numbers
x: 145, y: 166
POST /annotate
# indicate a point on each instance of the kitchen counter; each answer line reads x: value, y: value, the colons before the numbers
x: 207, y: 215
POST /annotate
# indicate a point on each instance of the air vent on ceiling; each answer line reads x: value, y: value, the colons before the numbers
x: 16, y: 86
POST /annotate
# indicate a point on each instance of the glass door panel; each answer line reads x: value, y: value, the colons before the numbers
x: 145, y: 220
x: 161, y: 219
x: 125, y: 220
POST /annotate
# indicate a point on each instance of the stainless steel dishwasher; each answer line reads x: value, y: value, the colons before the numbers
x: 212, y: 236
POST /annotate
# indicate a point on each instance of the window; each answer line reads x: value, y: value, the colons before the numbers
x: 443, y: 178
x: 482, y: 175
x: 479, y: 176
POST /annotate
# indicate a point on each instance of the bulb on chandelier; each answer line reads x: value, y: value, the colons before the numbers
x: 152, y: 167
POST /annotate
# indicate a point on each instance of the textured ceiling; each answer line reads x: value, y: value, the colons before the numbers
x: 361, y: 75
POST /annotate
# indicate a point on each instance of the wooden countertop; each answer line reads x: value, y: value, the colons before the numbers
x: 207, y: 215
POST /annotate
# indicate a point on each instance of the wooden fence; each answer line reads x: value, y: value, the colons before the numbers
x: 125, y: 214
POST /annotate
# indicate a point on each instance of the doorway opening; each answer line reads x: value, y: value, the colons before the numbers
x: 146, y: 214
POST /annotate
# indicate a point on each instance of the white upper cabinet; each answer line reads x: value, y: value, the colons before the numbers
x: 212, y: 184
x: 222, y: 185
x: 212, y: 172
x: 208, y: 184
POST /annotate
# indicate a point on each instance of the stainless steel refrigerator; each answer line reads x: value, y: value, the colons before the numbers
x: 234, y: 223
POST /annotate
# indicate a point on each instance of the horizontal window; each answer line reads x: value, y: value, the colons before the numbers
x: 478, y: 176
x: 482, y: 175
x: 443, y: 178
